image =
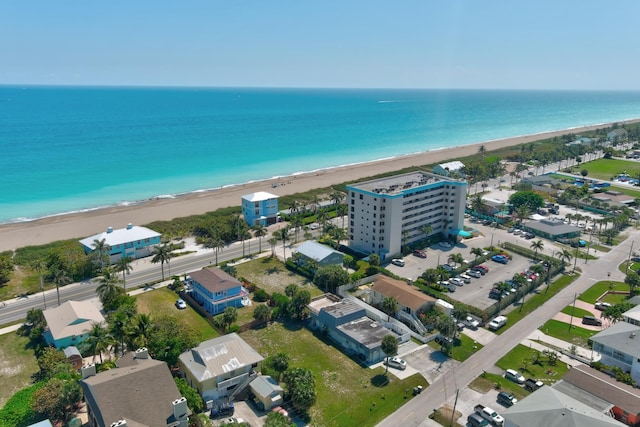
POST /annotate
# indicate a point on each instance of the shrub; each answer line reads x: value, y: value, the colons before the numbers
x: 260, y: 295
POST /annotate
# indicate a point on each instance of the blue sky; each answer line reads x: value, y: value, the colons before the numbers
x: 560, y: 44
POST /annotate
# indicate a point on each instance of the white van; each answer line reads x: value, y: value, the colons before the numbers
x: 497, y: 323
x: 465, y: 278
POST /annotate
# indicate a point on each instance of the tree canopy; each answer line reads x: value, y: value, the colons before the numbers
x: 530, y: 199
x: 330, y: 277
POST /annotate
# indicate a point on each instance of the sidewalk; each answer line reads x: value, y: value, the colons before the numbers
x: 555, y: 344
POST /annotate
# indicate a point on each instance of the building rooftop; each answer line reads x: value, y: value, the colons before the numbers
x: 604, y: 387
x: 72, y: 318
x: 633, y: 313
x: 319, y: 302
x: 141, y: 392
x: 265, y: 386
x: 120, y: 236
x: 400, y: 183
x: 218, y: 356
x: 406, y: 295
x: 316, y: 251
x: 452, y: 166
x: 552, y: 227
x: 366, y: 331
x: 214, y: 279
x: 342, y: 308
x: 621, y: 336
x: 260, y: 196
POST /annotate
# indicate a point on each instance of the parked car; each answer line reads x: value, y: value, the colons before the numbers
x: 456, y: 281
x: 442, y: 340
x: 464, y: 278
x: 473, y: 273
x: 420, y: 253
x: 396, y: 362
x: 472, y: 323
x: 398, y: 261
x: 602, y: 306
x: 532, y: 385
x: 515, y: 376
x: 223, y: 409
x: 590, y: 320
x: 507, y: 399
x: 481, y: 267
x: 499, y: 258
x: 232, y: 421
x: 447, y: 267
x: 475, y: 420
x: 181, y: 304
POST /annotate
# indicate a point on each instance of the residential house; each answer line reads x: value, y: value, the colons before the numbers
x: 348, y: 324
x: 551, y: 408
x: 70, y: 323
x: 260, y: 208
x: 619, y: 345
x: 388, y: 213
x: 321, y: 255
x: 632, y: 316
x: 221, y: 366
x: 74, y: 358
x: 453, y: 168
x: 133, y: 242
x: 623, y: 401
x: 267, y: 392
x: 617, y: 135
x: 139, y: 392
x: 216, y: 290
x: 410, y: 299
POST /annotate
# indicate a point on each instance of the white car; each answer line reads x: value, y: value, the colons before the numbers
x: 473, y: 273
x: 456, y: 281
x: 472, y: 323
x: 396, y: 362
x: 181, y: 304
x: 398, y: 261
x: 515, y: 376
x: 465, y: 278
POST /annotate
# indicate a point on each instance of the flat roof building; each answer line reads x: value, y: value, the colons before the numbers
x: 387, y: 213
x: 260, y: 208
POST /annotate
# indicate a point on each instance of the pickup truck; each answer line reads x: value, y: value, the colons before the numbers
x: 532, y: 385
x: 497, y: 323
x: 490, y: 415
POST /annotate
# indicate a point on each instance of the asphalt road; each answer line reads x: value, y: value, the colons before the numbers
x: 416, y: 411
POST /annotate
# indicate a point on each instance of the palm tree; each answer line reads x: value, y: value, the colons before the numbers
x: 108, y: 287
x: 259, y: 231
x: 338, y: 234
x: 426, y: 229
x: 477, y: 252
x: 322, y: 217
x: 59, y: 278
x: 296, y: 223
x: 564, y: 255
x: 342, y: 211
x: 273, y: 242
x: 101, y: 249
x: 336, y: 197
x: 141, y: 329
x: 537, y: 246
x: 40, y: 265
x: 390, y: 306
x: 456, y: 259
x: 283, y: 234
x: 162, y: 254
x: 216, y: 244
x: 119, y: 326
x: 98, y: 341
x: 123, y: 265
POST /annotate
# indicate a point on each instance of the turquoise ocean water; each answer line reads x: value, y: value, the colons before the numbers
x: 66, y: 149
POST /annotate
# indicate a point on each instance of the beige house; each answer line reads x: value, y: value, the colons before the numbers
x: 267, y: 391
x: 220, y: 366
x: 410, y: 299
x: 70, y: 323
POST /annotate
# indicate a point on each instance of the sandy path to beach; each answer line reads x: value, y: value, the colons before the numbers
x: 85, y: 224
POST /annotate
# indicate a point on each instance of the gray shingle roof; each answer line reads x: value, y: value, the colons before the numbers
x: 621, y: 336
x: 214, y: 279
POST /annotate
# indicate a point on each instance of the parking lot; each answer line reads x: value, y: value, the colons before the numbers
x: 475, y: 293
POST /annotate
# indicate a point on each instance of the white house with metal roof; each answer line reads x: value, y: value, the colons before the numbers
x: 260, y: 208
x: 217, y: 367
x: 133, y: 241
x: 321, y: 254
x: 619, y: 345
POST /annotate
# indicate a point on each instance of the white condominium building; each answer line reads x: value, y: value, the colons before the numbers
x: 386, y: 213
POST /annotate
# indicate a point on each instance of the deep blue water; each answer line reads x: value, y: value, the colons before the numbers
x: 66, y: 149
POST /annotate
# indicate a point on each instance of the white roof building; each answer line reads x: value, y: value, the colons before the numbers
x: 453, y: 167
x: 259, y: 196
x: 133, y: 241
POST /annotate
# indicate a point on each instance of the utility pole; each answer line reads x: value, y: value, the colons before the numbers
x: 453, y: 412
x: 629, y: 258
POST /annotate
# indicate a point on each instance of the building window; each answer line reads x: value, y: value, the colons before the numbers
x: 361, y: 197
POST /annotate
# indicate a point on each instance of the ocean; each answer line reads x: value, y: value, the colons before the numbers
x: 69, y: 149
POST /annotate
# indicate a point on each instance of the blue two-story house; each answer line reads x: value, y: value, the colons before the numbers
x: 216, y: 290
x: 260, y: 208
x: 133, y: 242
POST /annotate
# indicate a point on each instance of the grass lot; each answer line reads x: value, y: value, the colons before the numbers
x: 595, y: 291
x: 272, y: 276
x: 162, y: 301
x: 462, y: 347
x: 520, y: 359
x: 23, y: 281
x: 347, y: 394
x: 604, y: 169
x: 576, y: 311
x: 488, y: 381
x: 624, y: 267
x: 17, y: 364
x: 560, y: 330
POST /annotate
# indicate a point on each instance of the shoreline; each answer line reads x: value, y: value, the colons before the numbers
x: 92, y: 221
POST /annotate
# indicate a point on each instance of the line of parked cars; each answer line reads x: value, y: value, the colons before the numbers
x: 476, y: 271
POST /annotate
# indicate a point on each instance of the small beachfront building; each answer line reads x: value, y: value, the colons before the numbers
x: 260, y: 208
x: 453, y: 168
x: 216, y: 290
x: 70, y: 323
x: 267, y: 392
x: 321, y: 254
x: 133, y: 242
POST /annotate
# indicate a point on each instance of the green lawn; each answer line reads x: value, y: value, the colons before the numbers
x: 17, y: 364
x: 520, y: 359
x: 272, y: 276
x: 347, y: 394
x: 162, y: 301
x: 576, y: 311
x: 595, y: 291
x: 604, y: 169
x: 463, y: 347
x: 576, y: 335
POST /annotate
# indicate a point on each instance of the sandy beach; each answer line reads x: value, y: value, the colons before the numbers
x: 84, y: 224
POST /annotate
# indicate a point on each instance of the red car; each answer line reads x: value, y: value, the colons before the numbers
x: 420, y: 253
x: 481, y: 267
